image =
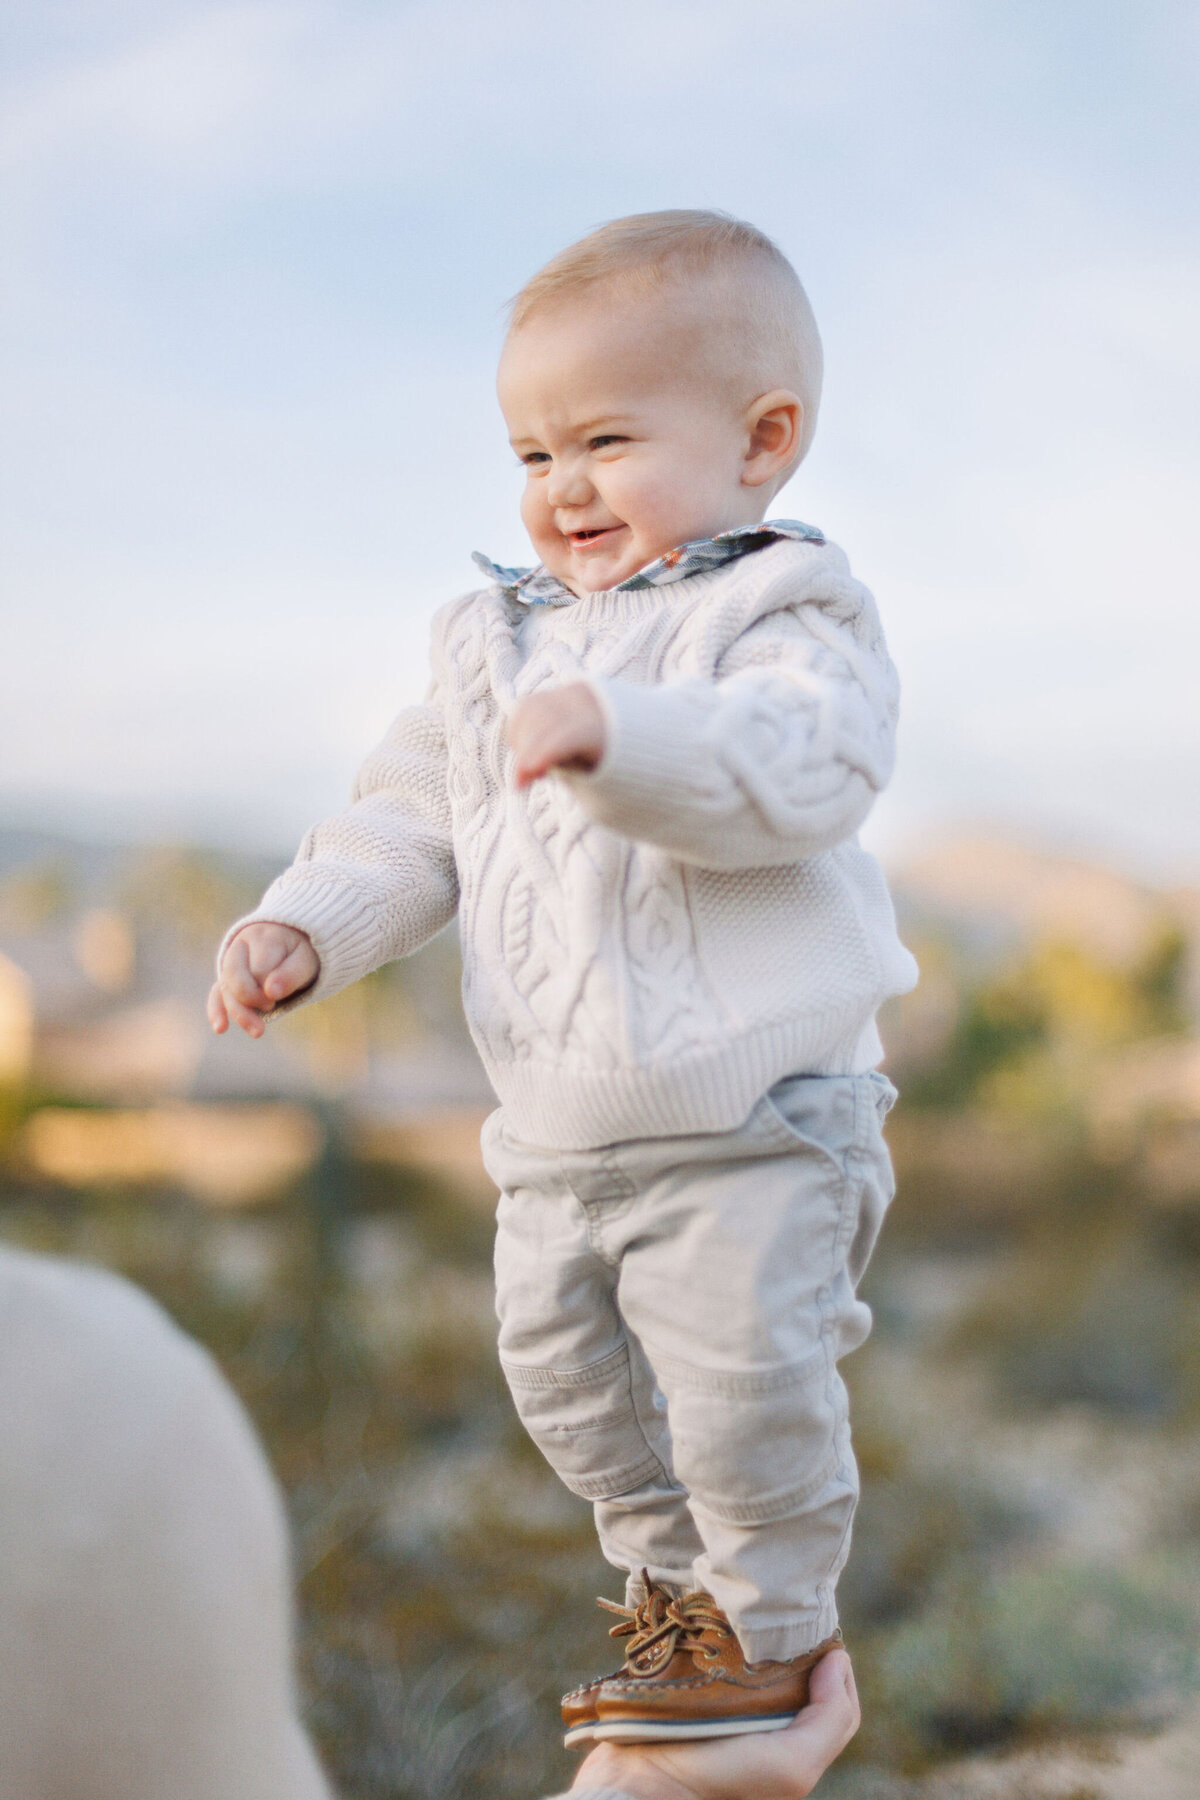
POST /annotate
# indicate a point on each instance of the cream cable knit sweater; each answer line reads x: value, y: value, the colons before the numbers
x: 648, y: 947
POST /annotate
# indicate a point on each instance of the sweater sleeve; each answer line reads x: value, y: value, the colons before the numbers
x: 777, y: 758
x: 378, y: 880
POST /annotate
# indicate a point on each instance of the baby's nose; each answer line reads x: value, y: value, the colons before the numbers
x: 568, y: 485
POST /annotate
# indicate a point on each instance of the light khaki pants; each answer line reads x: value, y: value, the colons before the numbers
x: 671, y: 1315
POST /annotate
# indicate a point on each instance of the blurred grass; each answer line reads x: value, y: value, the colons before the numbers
x: 1025, y: 1568
x: 1022, y: 1363
x: 445, y: 1578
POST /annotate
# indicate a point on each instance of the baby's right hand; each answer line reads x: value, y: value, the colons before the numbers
x: 262, y: 965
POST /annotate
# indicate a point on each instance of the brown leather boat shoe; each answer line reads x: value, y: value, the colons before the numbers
x: 579, y: 1711
x: 685, y: 1677
x: 579, y: 1706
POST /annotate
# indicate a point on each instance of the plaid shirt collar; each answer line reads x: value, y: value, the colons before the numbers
x: 537, y: 587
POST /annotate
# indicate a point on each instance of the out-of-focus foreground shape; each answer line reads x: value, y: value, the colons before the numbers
x: 145, y: 1587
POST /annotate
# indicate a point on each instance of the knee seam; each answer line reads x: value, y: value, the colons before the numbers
x: 611, y: 1487
x: 527, y: 1375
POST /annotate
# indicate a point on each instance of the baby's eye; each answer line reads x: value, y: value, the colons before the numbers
x: 602, y: 442
x: 534, y: 459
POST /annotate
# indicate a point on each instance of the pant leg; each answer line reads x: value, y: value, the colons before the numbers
x: 738, y: 1271
x: 581, y: 1385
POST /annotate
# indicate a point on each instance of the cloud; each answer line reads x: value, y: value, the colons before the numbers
x: 285, y: 95
x: 185, y: 91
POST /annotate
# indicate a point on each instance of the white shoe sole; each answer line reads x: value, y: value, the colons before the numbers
x: 672, y: 1731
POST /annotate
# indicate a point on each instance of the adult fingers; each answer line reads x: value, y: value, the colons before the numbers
x: 776, y: 1765
x: 833, y: 1684
x: 826, y: 1725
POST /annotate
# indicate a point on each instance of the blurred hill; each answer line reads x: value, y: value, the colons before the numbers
x: 993, y: 893
x: 1058, y: 1011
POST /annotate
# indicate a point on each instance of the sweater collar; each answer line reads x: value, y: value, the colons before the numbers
x: 537, y: 587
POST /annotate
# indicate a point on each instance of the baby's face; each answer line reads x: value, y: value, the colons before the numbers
x: 629, y: 447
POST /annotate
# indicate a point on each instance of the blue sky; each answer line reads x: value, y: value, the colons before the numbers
x: 252, y: 301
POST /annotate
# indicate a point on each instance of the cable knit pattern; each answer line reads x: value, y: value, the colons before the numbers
x: 647, y: 947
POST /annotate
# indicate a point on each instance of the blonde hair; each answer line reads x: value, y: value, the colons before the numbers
x: 771, y: 334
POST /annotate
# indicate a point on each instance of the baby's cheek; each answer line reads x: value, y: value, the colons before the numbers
x: 661, y: 512
x: 535, y: 513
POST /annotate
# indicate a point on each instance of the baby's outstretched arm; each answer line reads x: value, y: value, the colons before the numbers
x: 262, y: 965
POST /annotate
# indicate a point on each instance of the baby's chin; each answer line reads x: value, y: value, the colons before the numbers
x: 590, y: 574
x: 600, y: 580
x: 607, y: 568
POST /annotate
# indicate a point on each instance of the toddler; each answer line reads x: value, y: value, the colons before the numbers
x: 637, y: 779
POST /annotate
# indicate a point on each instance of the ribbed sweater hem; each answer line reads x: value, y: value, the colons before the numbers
x: 715, y: 1089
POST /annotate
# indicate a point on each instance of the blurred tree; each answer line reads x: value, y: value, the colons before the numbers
x: 37, y: 895
x: 1057, y: 1007
x: 997, y: 1021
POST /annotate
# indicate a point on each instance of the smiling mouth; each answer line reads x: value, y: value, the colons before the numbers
x: 582, y: 539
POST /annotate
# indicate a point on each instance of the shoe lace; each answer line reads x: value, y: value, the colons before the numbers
x: 660, y: 1624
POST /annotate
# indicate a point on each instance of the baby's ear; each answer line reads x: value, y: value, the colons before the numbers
x: 774, y: 424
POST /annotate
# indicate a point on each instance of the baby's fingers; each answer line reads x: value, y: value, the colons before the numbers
x: 534, y: 759
x: 223, y: 1011
x: 239, y: 983
x: 238, y: 994
x: 562, y: 728
x: 297, y: 971
x: 248, y: 1018
x: 554, y: 744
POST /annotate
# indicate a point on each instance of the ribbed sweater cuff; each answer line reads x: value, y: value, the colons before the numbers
x: 342, y: 928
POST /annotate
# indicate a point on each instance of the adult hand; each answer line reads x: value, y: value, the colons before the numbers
x: 764, y: 1765
x: 558, y: 728
x: 262, y: 965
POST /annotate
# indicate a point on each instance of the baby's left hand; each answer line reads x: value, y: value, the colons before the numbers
x: 559, y: 728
